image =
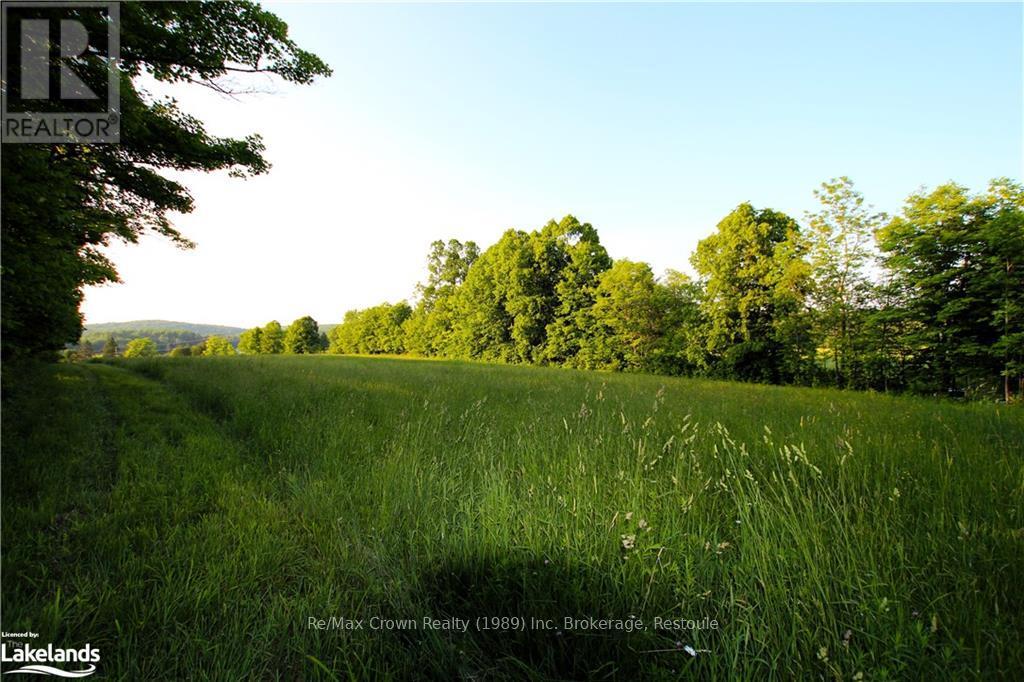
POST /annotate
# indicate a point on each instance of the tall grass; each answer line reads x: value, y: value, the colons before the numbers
x: 212, y: 506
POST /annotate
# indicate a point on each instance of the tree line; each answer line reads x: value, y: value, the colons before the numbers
x: 928, y: 301
x: 302, y: 336
x: 165, y: 340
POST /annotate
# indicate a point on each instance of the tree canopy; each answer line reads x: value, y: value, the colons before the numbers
x: 140, y: 348
x: 302, y: 336
x: 62, y: 203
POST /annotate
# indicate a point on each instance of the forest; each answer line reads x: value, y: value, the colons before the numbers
x: 929, y: 301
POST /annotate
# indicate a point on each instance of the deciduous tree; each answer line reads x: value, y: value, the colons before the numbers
x: 302, y: 336
x: 140, y: 348
x: 218, y: 345
x: 272, y: 338
x: 755, y: 285
x: 62, y: 203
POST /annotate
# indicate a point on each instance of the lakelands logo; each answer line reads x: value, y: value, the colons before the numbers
x: 36, y: 661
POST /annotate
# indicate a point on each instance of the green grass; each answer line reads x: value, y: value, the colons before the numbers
x: 187, y: 517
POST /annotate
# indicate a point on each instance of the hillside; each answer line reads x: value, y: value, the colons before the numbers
x: 162, y: 325
x: 502, y: 522
x: 164, y: 333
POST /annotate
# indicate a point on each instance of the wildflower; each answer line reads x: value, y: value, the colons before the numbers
x: 858, y: 676
x: 823, y: 654
x: 629, y: 516
x: 846, y: 637
x: 690, y: 650
x: 628, y: 542
x: 642, y: 525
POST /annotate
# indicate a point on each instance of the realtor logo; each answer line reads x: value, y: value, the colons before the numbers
x: 60, y: 82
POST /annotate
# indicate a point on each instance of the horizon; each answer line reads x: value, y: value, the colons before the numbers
x: 650, y: 122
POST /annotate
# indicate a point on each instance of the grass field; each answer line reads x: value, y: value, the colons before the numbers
x: 188, y: 517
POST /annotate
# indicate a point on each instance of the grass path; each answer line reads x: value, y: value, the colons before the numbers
x: 188, y: 517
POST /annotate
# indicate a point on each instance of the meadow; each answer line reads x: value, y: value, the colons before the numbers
x: 189, y: 517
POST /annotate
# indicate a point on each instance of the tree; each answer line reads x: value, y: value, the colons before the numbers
x: 218, y: 345
x: 110, y: 347
x: 520, y: 286
x: 428, y: 331
x: 302, y: 336
x: 83, y: 352
x: 626, y: 319
x: 62, y: 203
x: 272, y: 338
x: 374, y: 330
x: 250, y: 342
x: 447, y: 267
x: 839, y: 248
x: 180, y: 352
x: 575, y: 290
x: 956, y: 261
x: 140, y: 348
x: 680, y: 349
x: 1003, y: 259
x: 755, y: 284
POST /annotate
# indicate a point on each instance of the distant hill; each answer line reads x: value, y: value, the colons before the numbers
x: 164, y: 333
x: 163, y: 326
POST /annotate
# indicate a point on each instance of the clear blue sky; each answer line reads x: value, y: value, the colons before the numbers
x: 650, y: 121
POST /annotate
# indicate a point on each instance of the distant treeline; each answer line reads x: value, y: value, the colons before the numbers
x: 302, y: 336
x: 163, y: 339
x: 929, y: 301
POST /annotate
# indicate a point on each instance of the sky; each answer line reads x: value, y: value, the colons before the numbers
x: 649, y: 121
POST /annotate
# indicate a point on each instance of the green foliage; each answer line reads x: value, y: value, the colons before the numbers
x: 302, y: 336
x: 164, y: 338
x: 374, y: 330
x: 83, y: 352
x: 626, y: 319
x: 140, y: 348
x: 755, y: 284
x: 180, y: 352
x: 218, y: 345
x: 521, y: 287
x: 150, y: 327
x: 62, y: 203
x: 773, y: 303
x: 957, y: 269
x: 447, y: 267
x: 272, y: 338
x: 250, y: 342
x: 429, y: 330
x: 840, y: 238
x: 110, y: 347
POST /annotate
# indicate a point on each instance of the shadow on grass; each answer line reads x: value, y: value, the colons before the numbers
x: 518, y: 613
